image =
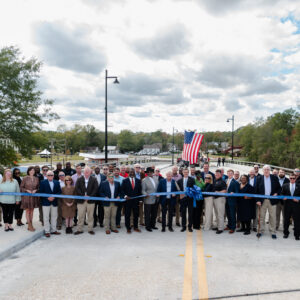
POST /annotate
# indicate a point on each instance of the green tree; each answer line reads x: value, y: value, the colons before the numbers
x: 20, y: 101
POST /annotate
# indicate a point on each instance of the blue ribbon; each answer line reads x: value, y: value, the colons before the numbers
x: 194, y: 192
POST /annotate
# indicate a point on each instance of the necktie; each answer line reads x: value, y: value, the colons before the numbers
x: 292, y: 189
x: 132, y: 183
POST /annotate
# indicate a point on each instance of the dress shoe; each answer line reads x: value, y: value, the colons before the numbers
x: 214, y: 228
x: 0, y: 225
x: 246, y: 232
x: 101, y: 225
x: 11, y: 229
x: 118, y: 226
x: 227, y: 228
x: 149, y: 229
x: 178, y: 224
x: 78, y: 232
x: 285, y: 236
x: 6, y: 229
x: 171, y: 229
x: 47, y: 235
x: 85, y: 223
x: 142, y: 224
x: 241, y: 230
x: 219, y: 231
x: 115, y: 230
x: 163, y: 230
x: 297, y: 238
x: 137, y: 230
x: 274, y: 237
x: 190, y: 230
x: 254, y: 229
x: 128, y: 230
x: 91, y: 232
x: 258, y: 235
x: 155, y: 228
x: 55, y: 233
x: 107, y: 231
x: 183, y: 229
x: 231, y: 231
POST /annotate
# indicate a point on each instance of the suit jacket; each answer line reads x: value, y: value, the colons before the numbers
x: 103, y: 178
x: 45, y: 189
x: 190, y: 183
x: 255, y: 180
x: 147, y: 188
x: 233, y: 187
x: 285, y: 191
x: 104, y: 191
x: 127, y: 189
x: 91, y: 190
x: 275, y: 188
x: 162, y: 188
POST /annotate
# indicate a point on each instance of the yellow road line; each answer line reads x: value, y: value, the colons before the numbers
x: 202, y: 281
x: 188, y: 268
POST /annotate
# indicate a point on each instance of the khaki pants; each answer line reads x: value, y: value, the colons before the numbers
x: 84, y: 208
x: 50, y: 218
x: 267, y: 206
x: 279, y: 211
x: 219, y: 206
x: 110, y: 216
x: 141, y: 213
x: 208, y: 211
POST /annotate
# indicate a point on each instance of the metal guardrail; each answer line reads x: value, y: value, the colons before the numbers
x: 251, y: 164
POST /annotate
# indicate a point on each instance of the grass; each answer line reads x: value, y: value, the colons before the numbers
x: 56, y: 158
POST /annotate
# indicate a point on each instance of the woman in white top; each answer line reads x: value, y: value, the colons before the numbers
x: 8, y: 202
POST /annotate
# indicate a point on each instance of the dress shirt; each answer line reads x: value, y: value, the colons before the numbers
x: 112, y: 190
x: 62, y: 184
x: 267, y: 182
x: 228, y: 182
x: 251, y: 181
x: 169, y: 184
x: 176, y: 177
x: 75, y: 177
x: 152, y: 181
x: 86, y: 182
x: 292, y: 188
x: 98, y: 177
x: 119, y: 179
x: 185, y: 182
x: 51, y: 183
x: 281, y: 180
x: 138, y: 175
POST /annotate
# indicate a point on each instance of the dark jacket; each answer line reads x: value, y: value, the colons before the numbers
x: 209, y: 172
x: 69, y: 172
x: 45, y: 189
x: 127, y: 188
x: 260, y: 188
x: 162, y: 188
x: 233, y: 187
x: 104, y: 191
x: 285, y: 191
x: 91, y: 190
x: 190, y: 183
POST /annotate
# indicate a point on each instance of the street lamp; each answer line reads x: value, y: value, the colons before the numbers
x: 174, y: 130
x: 115, y: 82
x: 228, y: 120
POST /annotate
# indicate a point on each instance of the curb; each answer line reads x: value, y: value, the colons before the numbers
x: 20, y: 245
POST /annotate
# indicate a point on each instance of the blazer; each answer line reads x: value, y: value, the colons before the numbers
x: 285, y: 191
x: 260, y: 188
x: 255, y: 180
x: 162, y: 188
x: 147, y: 188
x: 45, y: 189
x: 104, y: 191
x: 233, y: 187
x: 127, y: 188
x: 190, y: 183
x: 91, y: 190
x: 103, y: 178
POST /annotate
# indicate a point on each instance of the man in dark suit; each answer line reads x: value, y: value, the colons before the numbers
x: 206, y: 171
x: 99, y: 210
x: 232, y: 187
x: 280, y: 205
x: 186, y: 203
x: 86, y: 185
x: 131, y: 187
x: 167, y: 202
x: 49, y: 204
x: 268, y: 185
x: 291, y: 207
x: 110, y: 189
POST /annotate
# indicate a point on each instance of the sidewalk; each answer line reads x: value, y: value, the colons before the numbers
x: 13, y: 241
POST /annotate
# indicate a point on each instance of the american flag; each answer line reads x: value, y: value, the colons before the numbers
x: 192, y: 143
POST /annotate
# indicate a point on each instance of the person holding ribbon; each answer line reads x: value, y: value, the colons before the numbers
x: 198, y: 210
x: 168, y: 202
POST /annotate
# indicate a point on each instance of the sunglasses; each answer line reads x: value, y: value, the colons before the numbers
x: 207, y: 178
x: 45, y: 170
x: 62, y: 175
x: 110, y: 176
x: 68, y: 180
x: 50, y: 175
x: 291, y: 178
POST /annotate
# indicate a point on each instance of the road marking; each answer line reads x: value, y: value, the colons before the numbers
x: 202, y: 281
x: 188, y: 268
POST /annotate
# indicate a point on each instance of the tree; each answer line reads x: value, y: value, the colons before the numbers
x: 20, y: 101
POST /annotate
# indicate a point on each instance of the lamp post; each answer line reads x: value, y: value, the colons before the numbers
x: 116, y: 82
x: 173, y: 142
x: 232, y: 133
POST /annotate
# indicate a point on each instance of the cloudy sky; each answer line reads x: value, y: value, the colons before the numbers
x: 183, y: 63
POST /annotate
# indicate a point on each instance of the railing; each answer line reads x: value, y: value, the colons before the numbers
x: 251, y: 164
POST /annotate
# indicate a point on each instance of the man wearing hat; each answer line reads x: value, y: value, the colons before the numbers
x: 149, y: 185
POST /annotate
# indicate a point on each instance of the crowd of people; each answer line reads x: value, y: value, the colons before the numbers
x: 222, y: 214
